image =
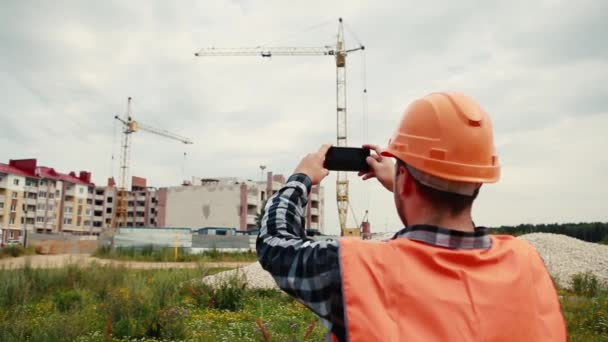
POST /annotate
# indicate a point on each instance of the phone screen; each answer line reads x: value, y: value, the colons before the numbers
x: 347, y: 159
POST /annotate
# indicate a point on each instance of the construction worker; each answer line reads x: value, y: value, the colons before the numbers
x: 440, y: 278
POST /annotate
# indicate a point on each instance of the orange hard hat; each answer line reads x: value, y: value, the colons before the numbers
x: 447, y: 135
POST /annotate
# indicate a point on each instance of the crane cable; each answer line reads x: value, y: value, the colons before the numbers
x: 292, y: 34
x: 365, y: 116
x: 113, y: 147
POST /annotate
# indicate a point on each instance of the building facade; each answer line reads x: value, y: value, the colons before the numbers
x: 39, y: 199
x: 226, y: 203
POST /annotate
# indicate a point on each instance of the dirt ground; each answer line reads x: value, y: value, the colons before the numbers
x: 62, y: 260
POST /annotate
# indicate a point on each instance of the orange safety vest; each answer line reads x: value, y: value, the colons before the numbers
x: 404, y: 290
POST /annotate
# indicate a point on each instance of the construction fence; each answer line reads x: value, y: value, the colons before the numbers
x: 178, y: 237
x: 62, y: 243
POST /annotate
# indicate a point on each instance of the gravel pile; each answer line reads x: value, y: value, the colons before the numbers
x: 565, y: 256
x: 254, y: 275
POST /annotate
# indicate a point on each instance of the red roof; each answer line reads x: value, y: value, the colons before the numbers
x: 5, y: 168
x: 48, y: 172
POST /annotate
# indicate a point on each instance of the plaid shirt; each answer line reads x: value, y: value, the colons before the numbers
x: 309, y: 270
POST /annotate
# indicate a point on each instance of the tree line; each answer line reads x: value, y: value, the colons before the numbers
x: 591, y: 232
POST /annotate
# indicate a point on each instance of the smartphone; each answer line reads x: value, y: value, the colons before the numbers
x: 347, y: 159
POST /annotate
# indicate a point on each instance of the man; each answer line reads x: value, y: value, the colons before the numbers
x: 440, y: 278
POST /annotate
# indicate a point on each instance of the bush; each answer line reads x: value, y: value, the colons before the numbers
x: 227, y: 294
x: 586, y: 284
x: 67, y: 300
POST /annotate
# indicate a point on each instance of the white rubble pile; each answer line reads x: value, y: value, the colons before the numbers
x: 565, y: 256
x: 254, y: 275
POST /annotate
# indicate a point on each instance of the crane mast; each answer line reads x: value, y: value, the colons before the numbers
x: 131, y: 126
x: 340, y: 53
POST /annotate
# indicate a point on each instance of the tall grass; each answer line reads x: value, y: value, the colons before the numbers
x: 167, y: 254
x: 16, y: 251
x: 585, y: 308
x: 63, y: 304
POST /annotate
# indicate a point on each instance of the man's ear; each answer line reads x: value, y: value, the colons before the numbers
x: 407, y: 186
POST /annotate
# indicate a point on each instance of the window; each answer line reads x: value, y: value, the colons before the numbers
x: 108, y: 210
x: 87, y: 223
x: 51, y: 195
x: 79, y: 210
x: 68, y: 210
x: 67, y: 221
x: 80, y: 201
x: 81, y: 190
x: 78, y: 221
x: 57, y: 193
x: 40, y: 206
x: 1, y: 205
x: 22, y: 220
x: 13, y: 207
x: 43, y: 182
x: 14, y: 195
x: 110, y: 199
x: 42, y: 194
x: 50, y: 207
x: 40, y: 219
x: 15, y: 182
x: 88, y: 212
x: 11, y: 220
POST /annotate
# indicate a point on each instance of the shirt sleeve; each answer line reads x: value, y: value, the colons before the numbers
x: 306, y: 269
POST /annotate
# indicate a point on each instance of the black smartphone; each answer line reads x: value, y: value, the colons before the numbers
x: 346, y: 159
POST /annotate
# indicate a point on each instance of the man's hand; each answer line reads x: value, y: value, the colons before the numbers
x: 312, y: 165
x: 381, y: 168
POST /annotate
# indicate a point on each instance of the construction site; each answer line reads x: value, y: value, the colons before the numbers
x: 233, y: 172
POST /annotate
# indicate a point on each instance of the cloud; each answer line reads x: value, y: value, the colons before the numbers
x: 67, y: 68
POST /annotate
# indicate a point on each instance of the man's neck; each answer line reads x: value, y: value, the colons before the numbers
x: 460, y: 222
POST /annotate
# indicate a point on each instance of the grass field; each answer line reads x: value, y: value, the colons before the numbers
x: 94, y: 303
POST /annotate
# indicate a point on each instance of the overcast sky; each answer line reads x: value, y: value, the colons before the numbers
x: 540, y: 68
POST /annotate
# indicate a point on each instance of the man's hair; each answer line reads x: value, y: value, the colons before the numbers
x: 443, y: 200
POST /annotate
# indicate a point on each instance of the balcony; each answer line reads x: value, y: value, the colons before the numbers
x: 140, y: 209
x: 69, y: 191
x: 2, y: 198
x: 98, y: 208
x: 30, y: 188
x: 39, y: 225
x: 251, y: 219
x: 141, y: 198
x: 314, y: 211
x: 97, y: 219
x: 31, y: 214
x: 314, y: 197
x: 67, y: 215
x: 99, y: 197
x: 252, y: 199
x: 29, y: 201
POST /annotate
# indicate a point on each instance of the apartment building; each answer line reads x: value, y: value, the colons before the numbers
x: 40, y: 199
x: 12, y: 188
x: 226, y: 203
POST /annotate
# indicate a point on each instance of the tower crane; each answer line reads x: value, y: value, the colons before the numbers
x: 339, y: 52
x: 131, y: 126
